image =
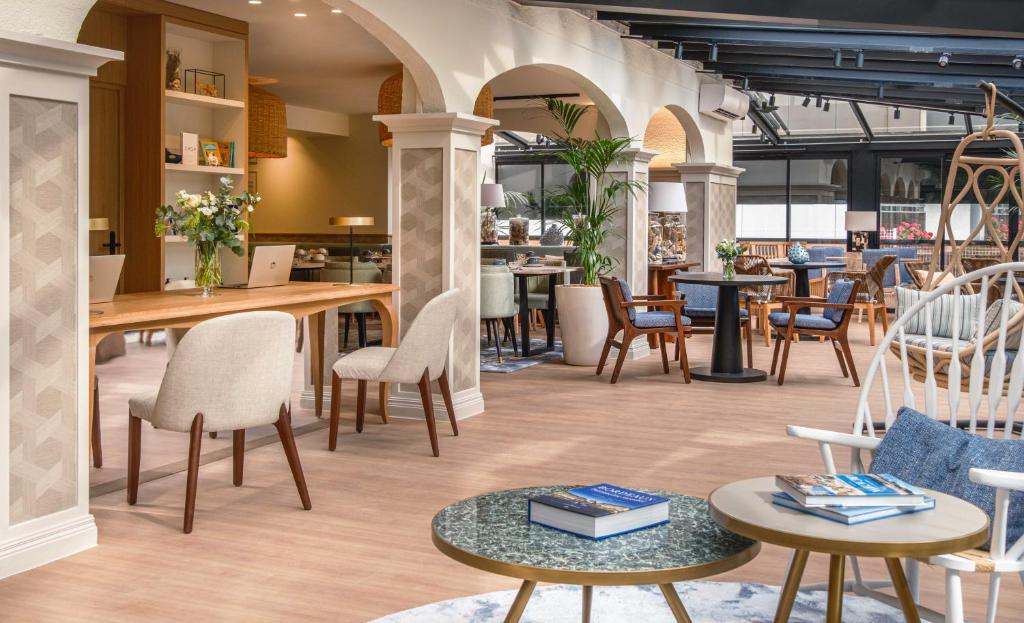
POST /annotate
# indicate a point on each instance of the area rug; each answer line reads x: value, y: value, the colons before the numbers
x: 489, y: 356
x: 707, y: 602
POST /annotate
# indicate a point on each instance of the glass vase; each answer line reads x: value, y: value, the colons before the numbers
x: 207, y: 267
x: 729, y: 269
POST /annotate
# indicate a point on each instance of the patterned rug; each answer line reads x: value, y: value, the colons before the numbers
x: 707, y: 602
x: 489, y: 356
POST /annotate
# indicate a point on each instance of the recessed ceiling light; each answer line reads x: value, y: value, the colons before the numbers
x: 335, y: 10
x: 300, y: 15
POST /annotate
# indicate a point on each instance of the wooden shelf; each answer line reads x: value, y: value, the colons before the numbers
x: 202, y: 101
x: 190, y: 168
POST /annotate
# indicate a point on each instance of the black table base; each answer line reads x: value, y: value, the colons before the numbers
x: 745, y: 375
x: 524, y: 316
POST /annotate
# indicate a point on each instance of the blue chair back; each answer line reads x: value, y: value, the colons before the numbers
x: 841, y: 292
x: 627, y: 297
x: 698, y: 296
x: 821, y: 254
x: 871, y: 256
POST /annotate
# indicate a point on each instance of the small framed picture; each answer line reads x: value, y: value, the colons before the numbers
x: 210, y: 151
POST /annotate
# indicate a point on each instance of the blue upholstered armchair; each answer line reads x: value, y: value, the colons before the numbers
x: 902, y: 253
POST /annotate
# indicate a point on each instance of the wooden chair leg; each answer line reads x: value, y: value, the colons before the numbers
x: 840, y: 357
x: 360, y: 405
x: 510, y: 323
x: 238, y: 455
x: 428, y: 411
x: 844, y: 342
x: 871, y: 323
x: 284, y: 431
x: 361, y: 329
x: 332, y: 433
x: 750, y: 341
x: 627, y: 339
x: 96, y: 435
x: 885, y: 316
x: 348, y: 325
x: 134, y: 456
x: 487, y: 324
x: 766, y: 328
x: 775, y: 354
x: 684, y: 361
x: 664, y: 352
x: 785, y: 357
x: 604, y: 352
x: 194, y: 447
x: 446, y: 393
x: 497, y: 340
x: 382, y: 401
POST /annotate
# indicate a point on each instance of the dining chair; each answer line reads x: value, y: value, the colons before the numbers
x: 702, y: 310
x: 872, y: 298
x: 817, y: 276
x: 760, y: 299
x: 498, y: 302
x: 831, y: 325
x: 620, y: 305
x: 228, y: 374
x: 418, y: 359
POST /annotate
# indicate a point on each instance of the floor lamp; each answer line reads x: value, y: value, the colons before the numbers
x: 351, y: 222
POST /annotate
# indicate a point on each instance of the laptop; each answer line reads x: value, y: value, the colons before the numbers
x: 271, y: 266
x: 104, y: 273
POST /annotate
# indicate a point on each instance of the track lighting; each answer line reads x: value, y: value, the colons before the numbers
x: 817, y: 101
x: 860, y: 58
x: 952, y: 119
x: 771, y: 99
x: 837, y: 58
x: 679, y: 51
x: 713, y: 57
x: 943, y: 59
x: 896, y: 113
x: 753, y: 129
x: 807, y: 101
x: 828, y: 104
x: 1017, y: 62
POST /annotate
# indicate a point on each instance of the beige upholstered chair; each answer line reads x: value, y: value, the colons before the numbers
x: 419, y: 359
x: 173, y: 336
x: 228, y: 373
x: 498, y: 302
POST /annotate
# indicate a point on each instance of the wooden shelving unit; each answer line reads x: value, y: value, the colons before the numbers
x: 201, y: 101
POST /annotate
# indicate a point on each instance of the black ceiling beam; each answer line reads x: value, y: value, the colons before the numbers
x: 829, y: 39
x: 812, y: 89
x: 1001, y: 17
x: 863, y: 75
x: 859, y: 114
x: 766, y: 127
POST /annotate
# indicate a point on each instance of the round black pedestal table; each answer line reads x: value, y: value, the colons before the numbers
x: 803, y: 282
x: 726, y: 355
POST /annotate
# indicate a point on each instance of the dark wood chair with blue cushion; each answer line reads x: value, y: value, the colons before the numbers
x: 831, y: 324
x: 621, y: 306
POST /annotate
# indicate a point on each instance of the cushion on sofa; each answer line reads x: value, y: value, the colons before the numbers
x: 942, y: 313
x: 932, y: 454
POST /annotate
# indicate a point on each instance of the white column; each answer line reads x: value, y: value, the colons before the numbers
x: 711, y: 204
x: 44, y: 299
x: 435, y: 216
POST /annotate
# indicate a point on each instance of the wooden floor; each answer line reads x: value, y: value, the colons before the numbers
x: 364, y: 550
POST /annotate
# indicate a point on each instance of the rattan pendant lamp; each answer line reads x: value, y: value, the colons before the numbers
x: 389, y: 102
x: 268, y: 124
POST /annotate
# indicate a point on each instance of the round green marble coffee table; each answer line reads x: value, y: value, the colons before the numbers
x: 491, y: 532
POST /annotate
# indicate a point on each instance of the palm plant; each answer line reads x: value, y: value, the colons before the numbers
x: 590, y: 200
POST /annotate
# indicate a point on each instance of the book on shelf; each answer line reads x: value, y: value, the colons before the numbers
x: 599, y: 511
x: 854, y: 514
x: 227, y: 153
x: 850, y: 490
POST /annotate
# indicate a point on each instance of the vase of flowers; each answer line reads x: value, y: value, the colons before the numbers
x: 913, y: 232
x: 208, y: 221
x: 727, y: 251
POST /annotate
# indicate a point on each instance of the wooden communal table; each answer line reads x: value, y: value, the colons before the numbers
x: 185, y: 308
x: 657, y: 283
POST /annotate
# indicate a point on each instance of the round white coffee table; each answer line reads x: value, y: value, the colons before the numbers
x: 746, y: 508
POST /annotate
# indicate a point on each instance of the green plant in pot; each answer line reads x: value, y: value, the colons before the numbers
x: 589, y: 204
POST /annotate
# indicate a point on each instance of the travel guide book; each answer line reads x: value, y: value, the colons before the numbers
x: 854, y: 514
x: 598, y: 512
x: 850, y: 490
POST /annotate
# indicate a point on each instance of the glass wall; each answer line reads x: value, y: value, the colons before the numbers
x: 536, y: 181
x: 910, y: 192
x: 761, y: 199
x: 803, y: 199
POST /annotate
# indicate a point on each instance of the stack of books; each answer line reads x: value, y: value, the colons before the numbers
x: 850, y: 498
x: 598, y: 512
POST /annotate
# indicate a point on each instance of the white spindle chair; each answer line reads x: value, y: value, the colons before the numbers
x: 985, y: 396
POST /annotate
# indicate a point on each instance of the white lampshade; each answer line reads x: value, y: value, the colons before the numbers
x: 861, y: 221
x: 492, y: 195
x: 666, y: 197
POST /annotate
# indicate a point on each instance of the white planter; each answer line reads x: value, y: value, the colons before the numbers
x: 583, y: 323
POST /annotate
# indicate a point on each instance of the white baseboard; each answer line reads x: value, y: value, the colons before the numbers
x: 637, y: 350
x: 47, y: 545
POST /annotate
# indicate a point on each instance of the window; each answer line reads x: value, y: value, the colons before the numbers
x: 798, y: 198
x: 536, y: 180
x: 761, y: 199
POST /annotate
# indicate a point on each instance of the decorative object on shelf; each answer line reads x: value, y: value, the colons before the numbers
x: 666, y: 236
x: 173, y: 70
x: 209, y: 151
x: 227, y: 153
x: 350, y: 222
x: 171, y: 157
x: 860, y: 225
x: 268, y: 125
x: 189, y: 149
x: 727, y: 250
x: 519, y: 231
x: 797, y: 254
x: 389, y: 102
x: 492, y: 198
x: 208, y: 221
x: 203, y: 82
x: 552, y: 237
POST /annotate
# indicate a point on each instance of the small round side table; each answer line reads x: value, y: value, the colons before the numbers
x: 746, y: 508
x: 491, y: 532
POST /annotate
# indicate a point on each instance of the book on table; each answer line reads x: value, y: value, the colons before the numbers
x: 850, y: 490
x: 598, y: 512
x: 851, y: 515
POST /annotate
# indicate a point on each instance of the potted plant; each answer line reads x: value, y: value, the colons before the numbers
x: 588, y: 204
x: 208, y: 221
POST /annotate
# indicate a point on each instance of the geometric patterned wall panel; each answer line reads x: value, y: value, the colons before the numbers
x: 421, y: 226
x: 465, y: 259
x: 722, y: 219
x: 614, y: 245
x: 695, y: 222
x: 43, y: 343
x: 639, y: 242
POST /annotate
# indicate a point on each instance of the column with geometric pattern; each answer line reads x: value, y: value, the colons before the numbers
x: 435, y: 220
x: 711, y: 205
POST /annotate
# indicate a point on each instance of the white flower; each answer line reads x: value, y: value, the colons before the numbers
x: 194, y: 201
x: 249, y: 207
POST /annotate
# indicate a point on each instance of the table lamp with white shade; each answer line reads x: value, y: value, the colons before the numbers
x: 669, y: 200
x: 491, y: 196
x: 351, y: 222
x: 860, y: 224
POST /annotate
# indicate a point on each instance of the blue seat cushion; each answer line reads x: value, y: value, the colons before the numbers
x: 707, y: 312
x: 932, y: 454
x: 803, y: 321
x: 658, y: 320
x: 841, y: 292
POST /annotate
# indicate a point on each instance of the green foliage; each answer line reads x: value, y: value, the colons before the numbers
x: 589, y: 201
x: 208, y: 220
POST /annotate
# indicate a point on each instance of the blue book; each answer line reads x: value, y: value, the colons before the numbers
x: 850, y: 490
x: 599, y: 511
x: 854, y: 514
